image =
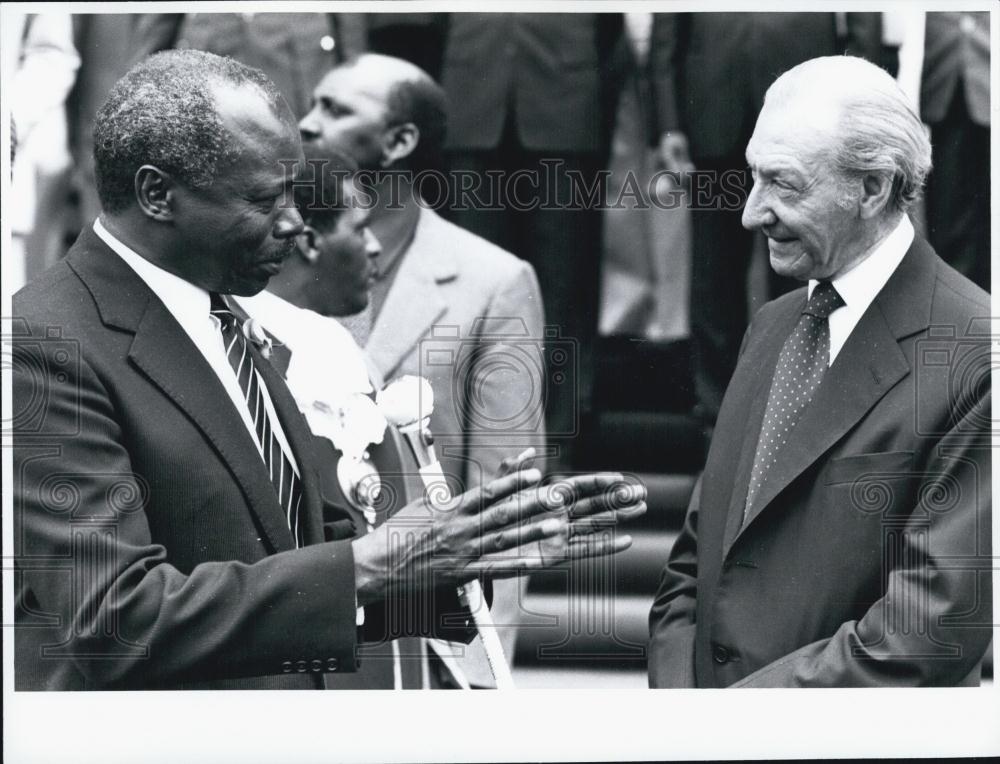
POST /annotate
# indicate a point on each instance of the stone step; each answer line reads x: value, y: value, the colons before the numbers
x: 605, y: 632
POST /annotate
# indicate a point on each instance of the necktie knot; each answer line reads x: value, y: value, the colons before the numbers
x: 219, y: 309
x: 824, y: 300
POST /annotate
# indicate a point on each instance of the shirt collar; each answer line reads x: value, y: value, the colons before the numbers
x: 859, y: 286
x: 182, y: 298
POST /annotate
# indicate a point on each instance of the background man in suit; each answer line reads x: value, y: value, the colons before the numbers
x: 709, y: 72
x: 170, y: 529
x: 525, y: 89
x: 955, y: 102
x: 292, y: 49
x: 840, y: 532
x: 446, y: 304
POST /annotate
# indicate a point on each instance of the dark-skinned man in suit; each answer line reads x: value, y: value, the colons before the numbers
x: 170, y: 528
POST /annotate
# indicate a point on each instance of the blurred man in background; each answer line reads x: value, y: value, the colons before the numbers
x: 955, y: 103
x: 446, y: 304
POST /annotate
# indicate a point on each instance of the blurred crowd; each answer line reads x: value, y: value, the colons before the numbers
x: 635, y: 94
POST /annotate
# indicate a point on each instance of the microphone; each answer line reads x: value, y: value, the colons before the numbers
x: 407, y: 404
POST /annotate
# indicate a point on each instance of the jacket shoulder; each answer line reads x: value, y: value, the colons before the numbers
x: 956, y: 298
x: 54, y: 297
x: 474, y: 255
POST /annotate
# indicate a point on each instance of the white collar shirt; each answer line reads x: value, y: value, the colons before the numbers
x: 862, y: 283
x: 190, y: 306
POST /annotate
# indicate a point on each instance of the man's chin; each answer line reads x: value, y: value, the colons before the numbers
x: 789, y: 266
x: 249, y: 287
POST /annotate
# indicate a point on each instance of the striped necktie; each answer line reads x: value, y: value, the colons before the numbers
x: 801, y: 367
x: 283, y: 478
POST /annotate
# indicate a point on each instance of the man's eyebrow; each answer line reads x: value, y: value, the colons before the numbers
x: 777, y: 168
x: 273, y: 187
x: 328, y: 102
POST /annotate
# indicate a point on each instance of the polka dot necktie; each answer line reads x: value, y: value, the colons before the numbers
x: 801, y: 366
x: 286, y: 483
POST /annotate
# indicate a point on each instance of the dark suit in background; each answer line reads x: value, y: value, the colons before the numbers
x: 866, y: 558
x: 709, y: 74
x: 414, y: 37
x: 522, y: 88
x: 105, y: 44
x: 955, y: 102
x: 294, y: 49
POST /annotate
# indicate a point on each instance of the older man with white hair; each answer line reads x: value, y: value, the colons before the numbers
x: 840, y: 533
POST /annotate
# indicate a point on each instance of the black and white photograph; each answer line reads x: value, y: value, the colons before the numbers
x: 583, y: 354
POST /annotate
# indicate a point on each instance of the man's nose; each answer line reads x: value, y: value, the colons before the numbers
x: 289, y: 223
x: 373, y: 247
x: 756, y: 212
x: 309, y: 126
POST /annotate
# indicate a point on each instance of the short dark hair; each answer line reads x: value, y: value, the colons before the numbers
x: 422, y: 102
x: 163, y: 113
x: 319, y: 193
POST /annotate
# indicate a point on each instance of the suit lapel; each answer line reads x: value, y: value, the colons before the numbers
x: 867, y: 367
x: 162, y: 350
x: 414, y: 301
x: 751, y: 404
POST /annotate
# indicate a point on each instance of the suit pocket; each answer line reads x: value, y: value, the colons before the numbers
x: 849, y: 469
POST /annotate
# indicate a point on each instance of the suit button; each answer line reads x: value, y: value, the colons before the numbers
x: 720, y: 654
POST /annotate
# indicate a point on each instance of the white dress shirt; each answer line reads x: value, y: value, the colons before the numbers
x: 190, y: 306
x: 860, y: 285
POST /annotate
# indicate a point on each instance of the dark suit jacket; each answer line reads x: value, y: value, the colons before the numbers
x: 285, y: 46
x: 554, y: 72
x: 956, y: 54
x: 104, y: 42
x: 866, y: 558
x: 710, y: 70
x: 151, y: 549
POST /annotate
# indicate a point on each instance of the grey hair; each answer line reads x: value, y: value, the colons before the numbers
x: 163, y: 112
x: 879, y: 130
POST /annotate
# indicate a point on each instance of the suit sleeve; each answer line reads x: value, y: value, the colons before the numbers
x: 496, y: 387
x: 672, y: 618
x: 672, y: 622
x: 933, y: 624
x: 119, y: 610
x: 666, y: 47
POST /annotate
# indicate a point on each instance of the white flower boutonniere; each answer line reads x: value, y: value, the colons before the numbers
x: 255, y: 333
x: 352, y: 423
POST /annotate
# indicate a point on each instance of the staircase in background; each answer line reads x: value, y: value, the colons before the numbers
x: 586, y: 626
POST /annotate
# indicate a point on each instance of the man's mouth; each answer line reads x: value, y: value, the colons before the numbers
x: 272, y: 267
x: 780, y: 239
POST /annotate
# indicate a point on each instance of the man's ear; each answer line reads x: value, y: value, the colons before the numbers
x: 400, y: 142
x: 306, y: 244
x: 154, y: 192
x: 876, y: 189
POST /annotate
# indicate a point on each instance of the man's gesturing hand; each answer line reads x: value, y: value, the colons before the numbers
x: 504, y: 528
